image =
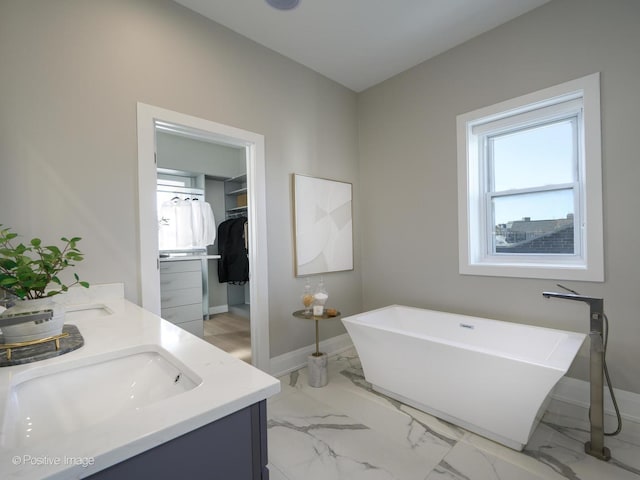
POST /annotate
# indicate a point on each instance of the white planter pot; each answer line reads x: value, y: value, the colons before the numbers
x: 25, y: 332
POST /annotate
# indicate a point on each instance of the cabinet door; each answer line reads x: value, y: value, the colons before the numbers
x: 181, y: 297
x: 180, y: 280
x: 183, y: 313
x: 181, y: 266
x: 181, y: 294
x: 232, y: 448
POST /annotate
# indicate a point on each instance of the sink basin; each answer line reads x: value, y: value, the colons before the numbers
x: 60, y: 402
x: 87, y: 311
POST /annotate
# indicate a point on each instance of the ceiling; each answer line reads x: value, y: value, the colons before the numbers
x: 359, y: 43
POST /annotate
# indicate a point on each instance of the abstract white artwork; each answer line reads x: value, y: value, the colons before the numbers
x: 323, y: 225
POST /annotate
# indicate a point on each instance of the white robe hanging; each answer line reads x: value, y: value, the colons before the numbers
x: 203, y: 224
x: 186, y: 224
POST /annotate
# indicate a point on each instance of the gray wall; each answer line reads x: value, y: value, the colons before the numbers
x: 407, y: 150
x: 181, y: 153
x: 72, y: 72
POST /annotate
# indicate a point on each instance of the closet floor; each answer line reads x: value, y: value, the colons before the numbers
x: 231, y: 333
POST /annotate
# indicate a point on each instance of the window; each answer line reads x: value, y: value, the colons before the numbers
x: 529, y: 185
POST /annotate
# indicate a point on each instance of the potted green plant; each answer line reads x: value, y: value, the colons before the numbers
x: 30, y: 274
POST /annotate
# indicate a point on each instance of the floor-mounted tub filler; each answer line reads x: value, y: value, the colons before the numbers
x: 487, y: 376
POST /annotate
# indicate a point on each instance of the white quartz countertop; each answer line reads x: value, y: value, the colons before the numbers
x: 226, y: 385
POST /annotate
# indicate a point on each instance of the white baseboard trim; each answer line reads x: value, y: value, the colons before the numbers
x: 576, y: 392
x: 218, y: 309
x: 288, y: 362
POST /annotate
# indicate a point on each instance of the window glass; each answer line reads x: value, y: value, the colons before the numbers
x: 534, y: 223
x: 543, y: 155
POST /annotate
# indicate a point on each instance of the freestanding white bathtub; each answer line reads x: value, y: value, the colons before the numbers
x: 487, y: 376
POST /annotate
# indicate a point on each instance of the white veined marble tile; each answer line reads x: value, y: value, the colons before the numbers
x: 464, y: 462
x: 348, y: 431
x: 523, y: 461
x: 559, y: 442
x: 310, y: 440
x: 276, y: 474
x: 416, y: 430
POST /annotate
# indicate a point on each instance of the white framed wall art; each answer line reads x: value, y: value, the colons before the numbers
x: 323, y: 225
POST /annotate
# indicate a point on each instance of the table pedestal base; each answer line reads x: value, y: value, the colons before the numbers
x: 317, y: 370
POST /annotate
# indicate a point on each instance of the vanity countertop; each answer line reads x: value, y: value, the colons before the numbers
x: 226, y: 386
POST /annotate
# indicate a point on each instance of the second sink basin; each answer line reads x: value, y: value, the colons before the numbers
x: 60, y: 402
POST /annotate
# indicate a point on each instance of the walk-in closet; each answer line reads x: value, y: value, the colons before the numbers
x: 203, y: 239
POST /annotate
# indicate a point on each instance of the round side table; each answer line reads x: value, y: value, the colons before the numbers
x: 317, y: 362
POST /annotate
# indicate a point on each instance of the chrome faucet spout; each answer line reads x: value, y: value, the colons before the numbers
x: 595, y: 304
x: 572, y: 296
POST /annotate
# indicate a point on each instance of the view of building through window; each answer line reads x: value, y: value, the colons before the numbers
x: 535, y: 236
x: 532, y: 175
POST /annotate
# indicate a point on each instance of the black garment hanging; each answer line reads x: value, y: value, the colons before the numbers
x: 233, y: 266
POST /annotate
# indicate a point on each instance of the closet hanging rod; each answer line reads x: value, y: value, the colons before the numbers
x: 194, y: 199
x: 180, y: 190
x: 235, y: 215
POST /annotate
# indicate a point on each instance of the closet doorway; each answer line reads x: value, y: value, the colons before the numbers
x: 236, y: 187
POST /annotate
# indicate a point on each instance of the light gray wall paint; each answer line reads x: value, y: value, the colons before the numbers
x: 408, y: 151
x: 72, y: 73
x: 181, y: 153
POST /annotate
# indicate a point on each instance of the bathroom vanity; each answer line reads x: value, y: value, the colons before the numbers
x: 141, y: 395
x: 234, y: 447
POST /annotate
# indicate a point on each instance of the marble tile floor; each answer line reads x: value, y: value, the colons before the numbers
x: 346, y: 431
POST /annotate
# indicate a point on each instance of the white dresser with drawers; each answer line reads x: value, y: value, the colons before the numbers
x: 183, y: 292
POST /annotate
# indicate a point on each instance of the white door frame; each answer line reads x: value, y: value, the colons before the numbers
x: 149, y: 287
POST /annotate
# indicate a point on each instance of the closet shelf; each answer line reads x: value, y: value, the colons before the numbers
x: 239, y: 191
x: 236, y: 209
x: 240, y: 178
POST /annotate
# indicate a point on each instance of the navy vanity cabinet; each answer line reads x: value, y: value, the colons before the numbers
x: 232, y: 448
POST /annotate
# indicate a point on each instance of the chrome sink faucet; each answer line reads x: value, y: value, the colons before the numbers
x: 595, y: 446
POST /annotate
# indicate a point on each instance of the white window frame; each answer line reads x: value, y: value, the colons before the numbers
x: 474, y: 227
